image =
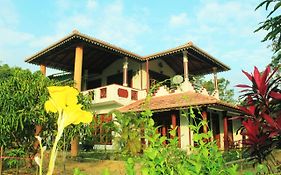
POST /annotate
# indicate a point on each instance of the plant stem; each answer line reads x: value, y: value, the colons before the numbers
x: 54, y: 149
x: 41, y: 160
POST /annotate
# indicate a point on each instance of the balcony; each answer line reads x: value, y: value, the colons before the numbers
x: 115, y: 94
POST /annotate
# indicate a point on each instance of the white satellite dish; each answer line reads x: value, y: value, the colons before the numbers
x: 178, y: 79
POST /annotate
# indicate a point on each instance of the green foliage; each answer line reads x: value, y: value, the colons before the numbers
x: 15, y: 160
x: 159, y: 158
x: 81, y: 130
x: 77, y: 171
x: 128, y: 133
x: 130, y: 164
x: 225, y: 93
x: 272, y: 25
x: 105, y: 172
x: 22, y: 98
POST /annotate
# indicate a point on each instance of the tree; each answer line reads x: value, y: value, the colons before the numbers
x: 22, y: 95
x: 22, y: 98
x: 272, y: 24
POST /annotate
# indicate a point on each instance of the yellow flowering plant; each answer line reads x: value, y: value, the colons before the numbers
x: 63, y: 100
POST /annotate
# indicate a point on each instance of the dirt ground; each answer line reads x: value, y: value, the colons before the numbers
x: 92, y: 167
x: 96, y: 167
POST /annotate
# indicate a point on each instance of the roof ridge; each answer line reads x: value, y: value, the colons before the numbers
x: 188, y: 44
x: 107, y: 45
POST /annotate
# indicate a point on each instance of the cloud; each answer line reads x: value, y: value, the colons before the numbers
x: 8, y: 14
x: 91, y: 4
x: 225, y: 29
x: 178, y: 20
x: 109, y: 22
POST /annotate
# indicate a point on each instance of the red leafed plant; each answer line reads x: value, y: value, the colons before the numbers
x: 262, y: 108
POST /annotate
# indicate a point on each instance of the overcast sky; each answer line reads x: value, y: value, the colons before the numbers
x: 222, y: 28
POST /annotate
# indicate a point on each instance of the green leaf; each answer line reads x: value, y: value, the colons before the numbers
x: 145, y: 171
x: 105, y: 172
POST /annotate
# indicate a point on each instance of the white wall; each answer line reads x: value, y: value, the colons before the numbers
x: 165, y: 69
x: 139, y: 71
x: 236, y: 125
x: 184, y: 130
x: 221, y: 130
x: 117, y: 67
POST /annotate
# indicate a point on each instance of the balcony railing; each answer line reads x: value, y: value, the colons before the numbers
x: 116, y: 94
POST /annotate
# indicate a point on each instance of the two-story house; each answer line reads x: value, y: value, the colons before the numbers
x: 121, y: 79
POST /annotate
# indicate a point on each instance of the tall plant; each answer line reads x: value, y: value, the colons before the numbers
x: 22, y: 97
x: 262, y: 107
x: 128, y: 133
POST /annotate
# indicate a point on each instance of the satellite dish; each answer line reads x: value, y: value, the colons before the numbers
x: 178, y: 79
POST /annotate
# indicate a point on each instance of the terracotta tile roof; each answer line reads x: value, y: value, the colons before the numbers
x: 177, y: 101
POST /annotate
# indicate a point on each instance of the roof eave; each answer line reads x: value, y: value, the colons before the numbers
x: 88, y: 39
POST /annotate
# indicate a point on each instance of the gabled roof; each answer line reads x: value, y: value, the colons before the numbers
x: 60, y: 55
x: 177, y: 101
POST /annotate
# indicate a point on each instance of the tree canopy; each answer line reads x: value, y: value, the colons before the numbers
x: 272, y: 25
x: 22, y: 97
x: 225, y: 92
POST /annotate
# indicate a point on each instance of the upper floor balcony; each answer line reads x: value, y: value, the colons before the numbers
x: 115, y: 94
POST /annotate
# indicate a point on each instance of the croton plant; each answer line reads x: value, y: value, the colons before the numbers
x: 262, y: 119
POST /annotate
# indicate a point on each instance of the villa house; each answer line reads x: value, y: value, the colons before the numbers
x: 121, y: 79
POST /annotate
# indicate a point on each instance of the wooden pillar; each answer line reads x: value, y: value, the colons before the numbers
x: 74, y: 146
x: 164, y: 132
x: 185, y: 65
x: 204, y: 117
x: 225, y: 131
x: 125, y: 72
x: 78, y: 67
x: 215, y: 78
x: 174, y: 125
x: 78, y: 81
x: 43, y: 69
x: 147, y: 76
x: 174, y: 120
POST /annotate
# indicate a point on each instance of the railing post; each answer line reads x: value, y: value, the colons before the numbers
x: 185, y: 65
x: 125, y: 72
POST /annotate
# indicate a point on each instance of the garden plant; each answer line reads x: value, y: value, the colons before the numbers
x: 262, y: 119
x: 64, y: 101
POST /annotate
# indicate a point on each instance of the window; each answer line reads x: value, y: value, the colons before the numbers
x: 102, y: 132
